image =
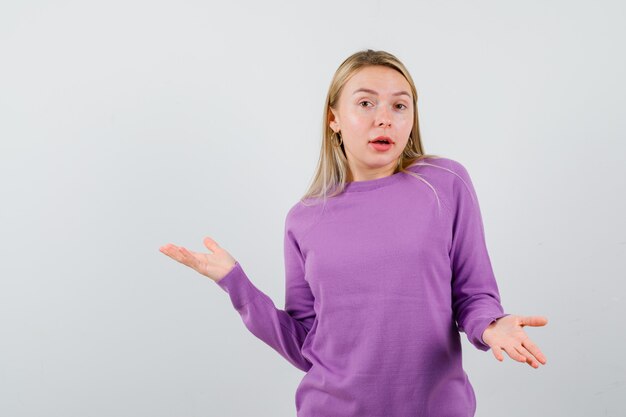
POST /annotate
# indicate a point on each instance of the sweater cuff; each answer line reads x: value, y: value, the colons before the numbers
x: 238, y: 286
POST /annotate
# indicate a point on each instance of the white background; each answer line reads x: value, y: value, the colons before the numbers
x: 125, y: 125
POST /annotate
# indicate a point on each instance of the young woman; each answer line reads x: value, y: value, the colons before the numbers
x: 385, y: 262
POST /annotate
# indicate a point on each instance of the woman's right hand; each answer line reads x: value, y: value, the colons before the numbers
x: 213, y: 265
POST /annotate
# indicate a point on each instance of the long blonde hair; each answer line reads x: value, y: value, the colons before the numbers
x: 332, y: 169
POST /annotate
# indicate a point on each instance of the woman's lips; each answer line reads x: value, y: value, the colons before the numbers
x: 380, y: 147
x: 384, y: 138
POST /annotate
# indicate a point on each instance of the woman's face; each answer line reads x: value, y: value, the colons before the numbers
x: 375, y: 101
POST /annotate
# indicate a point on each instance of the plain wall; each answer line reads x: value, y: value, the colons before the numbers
x: 125, y: 125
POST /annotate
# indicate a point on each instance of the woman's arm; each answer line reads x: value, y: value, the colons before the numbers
x: 475, y: 295
x: 283, y: 330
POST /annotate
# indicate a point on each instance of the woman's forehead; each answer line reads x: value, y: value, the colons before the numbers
x: 378, y: 80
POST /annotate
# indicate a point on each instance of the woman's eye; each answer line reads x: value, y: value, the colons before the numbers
x: 366, y: 101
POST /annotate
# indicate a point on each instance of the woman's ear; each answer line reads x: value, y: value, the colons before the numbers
x: 333, y: 120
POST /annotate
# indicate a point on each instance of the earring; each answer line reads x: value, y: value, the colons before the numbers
x: 334, y: 140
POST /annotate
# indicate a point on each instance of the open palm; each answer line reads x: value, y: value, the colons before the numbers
x: 213, y: 265
x: 507, y: 334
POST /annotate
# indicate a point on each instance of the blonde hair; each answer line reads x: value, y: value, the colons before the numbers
x: 332, y: 168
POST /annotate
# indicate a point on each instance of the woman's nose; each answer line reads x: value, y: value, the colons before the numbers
x: 382, y: 117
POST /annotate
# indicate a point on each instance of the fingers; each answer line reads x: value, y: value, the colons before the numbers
x: 534, y: 350
x: 187, y: 257
x: 210, y: 244
x: 172, y: 251
x: 514, y: 354
x: 527, y: 356
x: 178, y: 253
x: 497, y: 353
x: 520, y: 353
x: 169, y: 250
x: 533, y: 321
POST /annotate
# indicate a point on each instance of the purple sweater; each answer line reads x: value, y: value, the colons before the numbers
x: 379, y: 282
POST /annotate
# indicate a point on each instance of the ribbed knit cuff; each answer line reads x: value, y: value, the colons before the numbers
x: 238, y: 286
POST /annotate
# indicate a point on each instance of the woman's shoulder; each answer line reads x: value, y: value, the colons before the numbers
x: 446, y: 174
x: 303, y: 214
x: 434, y: 164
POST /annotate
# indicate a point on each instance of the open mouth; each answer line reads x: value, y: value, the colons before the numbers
x: 381, y: 145
x: 382, y: 140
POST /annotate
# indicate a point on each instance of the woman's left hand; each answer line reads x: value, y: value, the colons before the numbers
x: 506, y: 334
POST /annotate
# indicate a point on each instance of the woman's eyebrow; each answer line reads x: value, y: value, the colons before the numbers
x: 367, y: 90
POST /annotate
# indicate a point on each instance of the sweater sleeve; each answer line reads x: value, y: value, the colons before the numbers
x: 475, y: 295
x: 283, y: 330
